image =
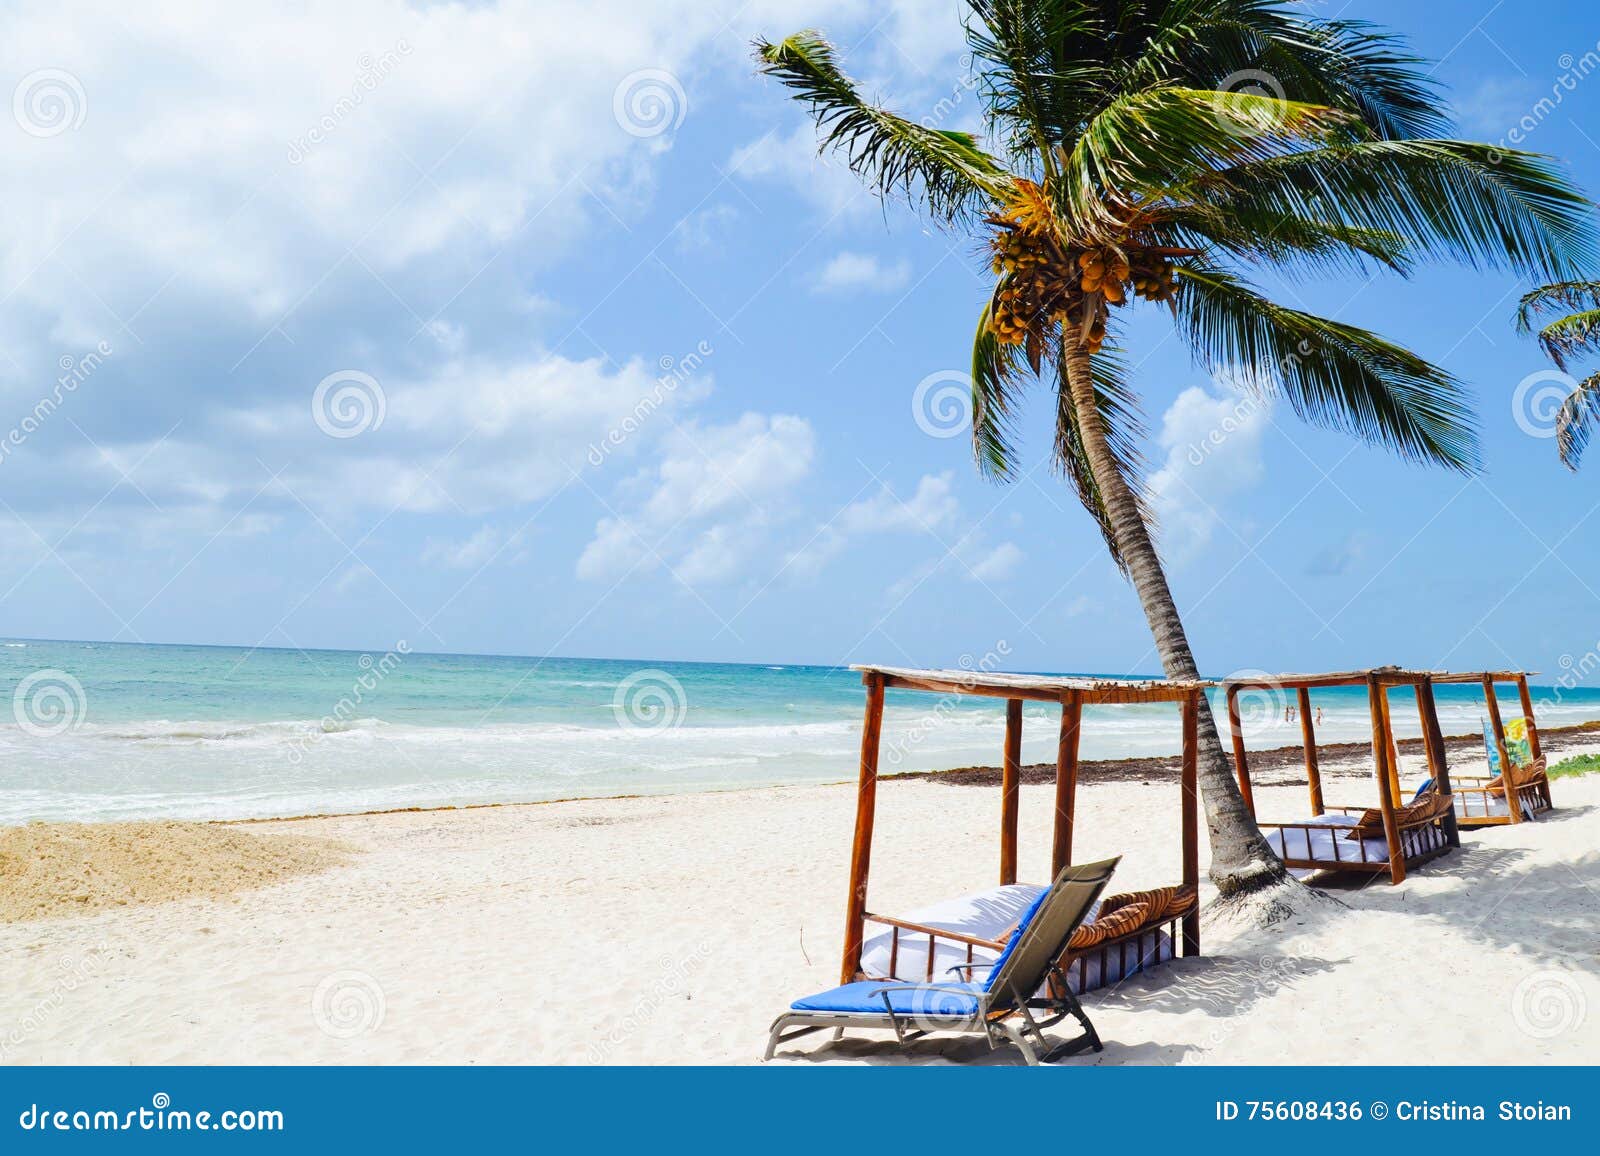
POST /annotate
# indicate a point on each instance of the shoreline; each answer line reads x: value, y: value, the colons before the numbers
x: 1335, y: 761
x: 1334, y: 758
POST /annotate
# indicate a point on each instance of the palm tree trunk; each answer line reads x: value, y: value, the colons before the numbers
x: 1241, y: 860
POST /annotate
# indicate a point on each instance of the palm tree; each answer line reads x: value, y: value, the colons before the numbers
x: 1572, y: 335
x: 1150, y: 150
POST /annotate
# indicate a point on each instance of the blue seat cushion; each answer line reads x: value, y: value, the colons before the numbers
x: 1016, y: 935
x: 863, y: 997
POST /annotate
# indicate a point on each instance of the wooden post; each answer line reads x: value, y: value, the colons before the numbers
x: 1508, y: 778
x: 1527, y: 713
x: 861, y: 850
x: 1377, y: 697
x: 1393, y: 747
x: 1240, y: 764
x: 1308, y: 739
x: 1191, y: 817
x: 1066, y: 780
x: 1010, y: 781
x: 1438, y: 759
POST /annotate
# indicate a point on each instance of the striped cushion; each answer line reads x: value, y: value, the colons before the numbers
x: 1521, y: 776
x: 1109, y: 925
x: 1429, y: 806
x: 1162, y: 903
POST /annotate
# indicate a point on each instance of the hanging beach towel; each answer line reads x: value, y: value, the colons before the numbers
x: 1488, y: 745
x: 1518, y: 748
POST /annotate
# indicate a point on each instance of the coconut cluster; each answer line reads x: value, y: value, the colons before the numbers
x: 1046, y: 283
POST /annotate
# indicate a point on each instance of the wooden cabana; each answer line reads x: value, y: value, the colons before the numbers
x: 1481, y: 801
x: 1330, y: 840
x: 1170, y: 908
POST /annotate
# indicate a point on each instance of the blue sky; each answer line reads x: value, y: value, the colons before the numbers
x: 609, y: 364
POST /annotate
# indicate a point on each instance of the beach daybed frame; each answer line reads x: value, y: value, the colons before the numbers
x: 1181, y: 924
x: 1476, y: 796
x: 1417, y: 839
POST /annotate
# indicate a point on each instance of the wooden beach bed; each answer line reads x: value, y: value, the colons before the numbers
x: 1125, y: 933
x: 1354, y: 838
x: 1481, y: 799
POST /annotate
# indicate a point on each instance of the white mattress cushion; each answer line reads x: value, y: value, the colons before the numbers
x: 989, y: 914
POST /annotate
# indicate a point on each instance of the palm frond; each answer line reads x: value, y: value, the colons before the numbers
x: 945, y: 169
x: 1576, y: 333
x: 1352, y: 61
x: 997, y: 378
x: 1035, y: 76
x: 1346, y: 64
x: 1576, y: 420
x: 1571, y: 336
x: 1332, y: 375
x: 1141, y: 146
x: 1571, y: 295
x: 1459, y: 200
x: 1270, y: 235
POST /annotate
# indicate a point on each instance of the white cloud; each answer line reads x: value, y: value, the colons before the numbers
x: 707, y: 505
x: 475, y: 436
x: 791, y: 159
x: 378, y: 185
x: 483, y: 547
x: 1213, y: 449
x: 288, y: 169
x: 931, y: 507
x: 933, y: 512
x: 994, y: 564
x: 355, y: 575
x: 701, y: 232
x: 374, y: 127
x: 1495, y: 105
x: 849, y: 272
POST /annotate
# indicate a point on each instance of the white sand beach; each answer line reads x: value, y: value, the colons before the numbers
x: 672, y: 930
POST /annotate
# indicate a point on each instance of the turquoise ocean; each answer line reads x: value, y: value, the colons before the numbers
x: 97, y: 730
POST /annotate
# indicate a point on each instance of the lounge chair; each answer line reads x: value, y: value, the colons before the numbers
x: 991, y: 1008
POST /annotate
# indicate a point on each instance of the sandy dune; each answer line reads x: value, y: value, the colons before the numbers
x: 671, y: 930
